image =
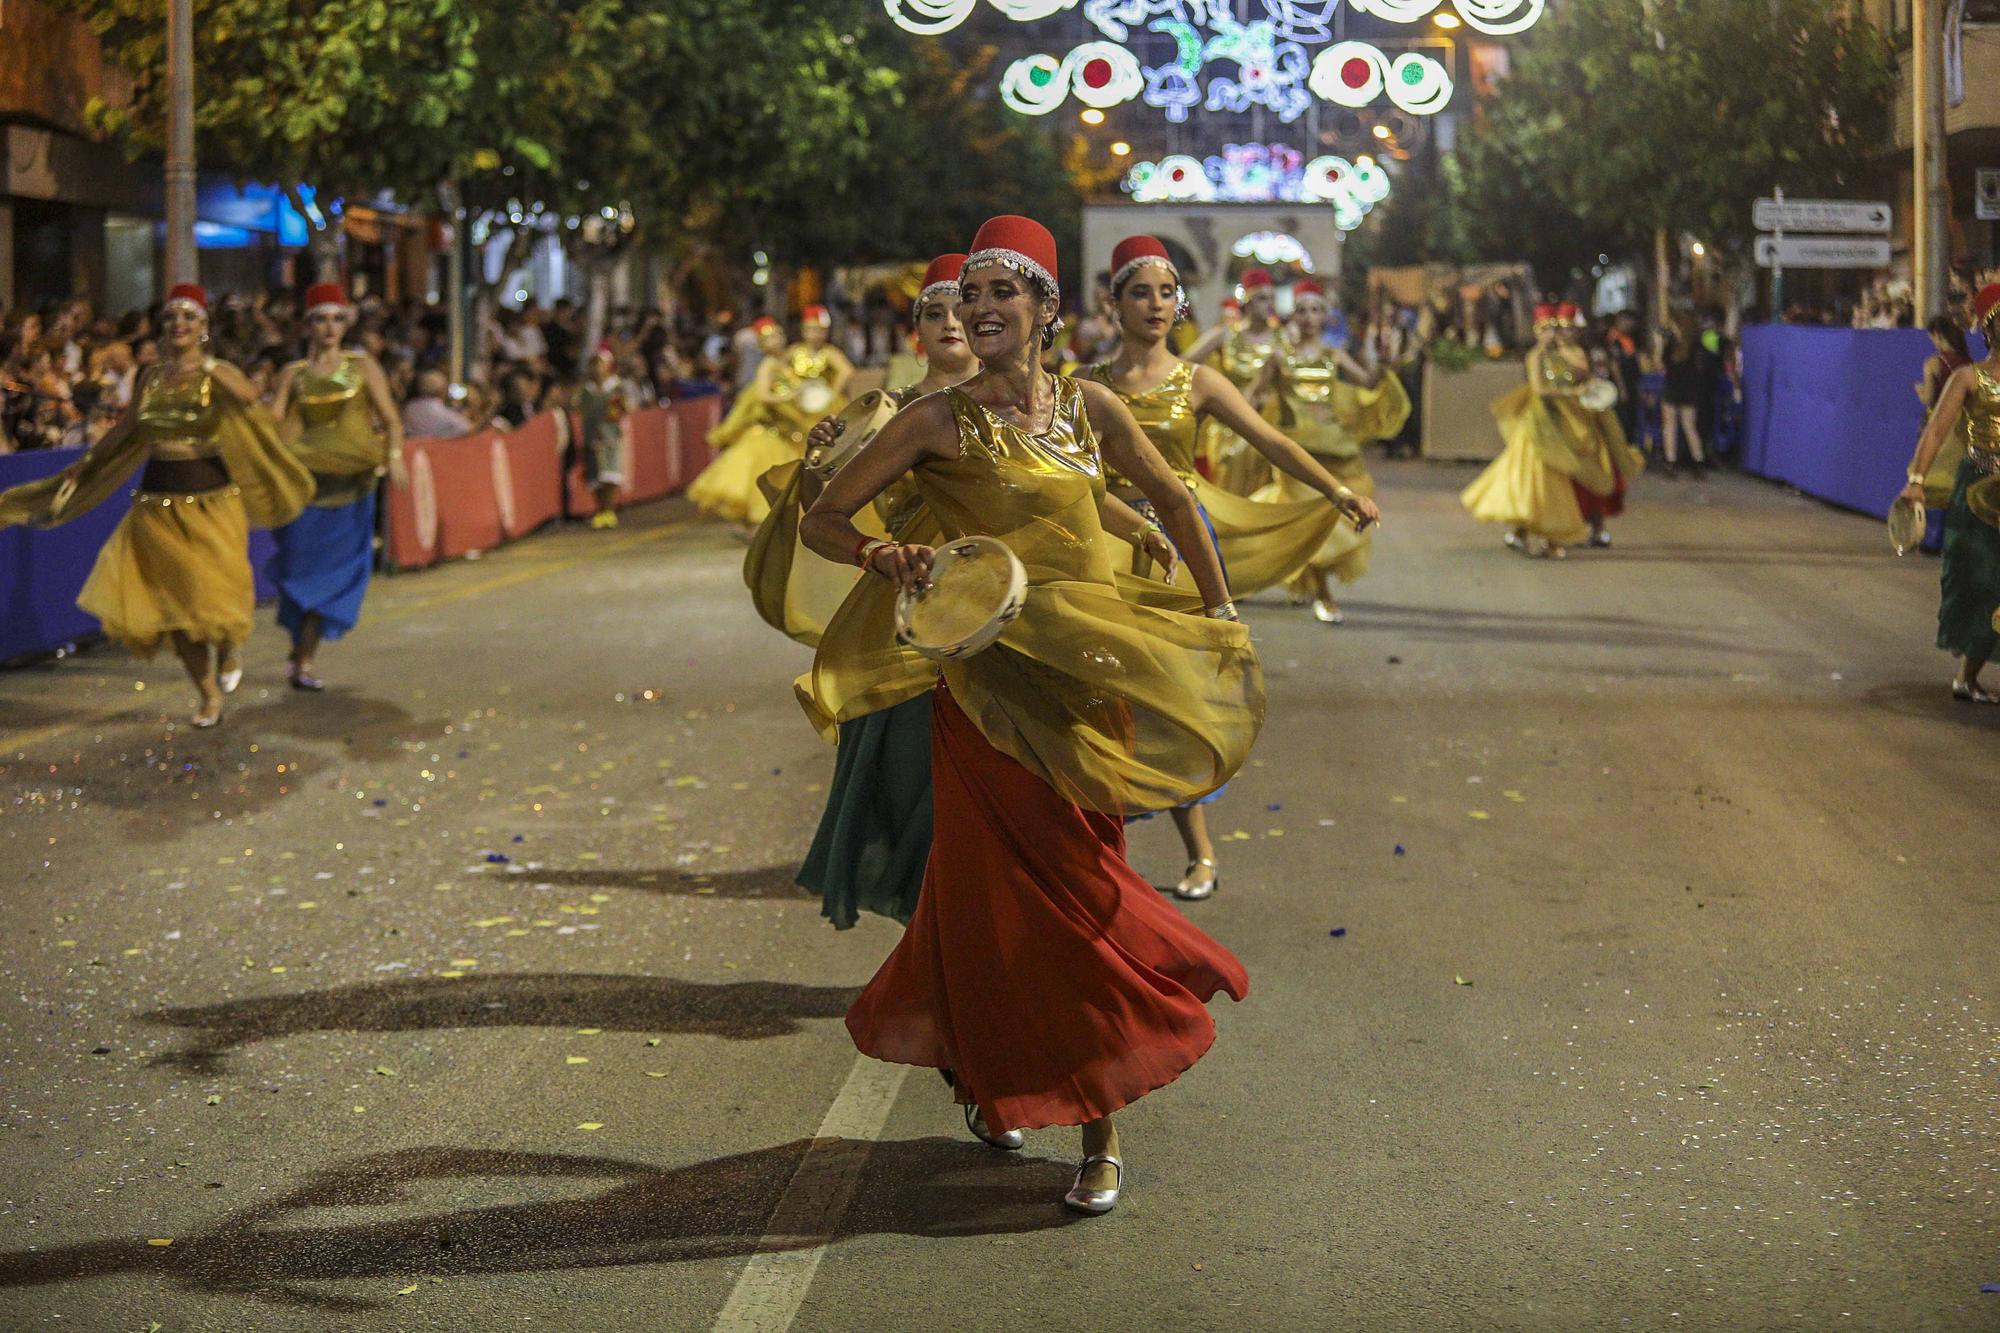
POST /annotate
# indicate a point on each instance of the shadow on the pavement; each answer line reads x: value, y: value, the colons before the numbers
x: 717, y: 1209
x: 1931, y: 700
x: 1524, y: 627
x: 242, y: 767
x: 743, y: 1010
x: 762, y: 882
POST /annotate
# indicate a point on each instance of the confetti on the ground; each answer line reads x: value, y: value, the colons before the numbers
x: 161, y: 1241
x: 1338, y: 932
x: 1477, y: 814
x: 591, y: 1125
x: 576, y: 1060
x: 1460, y: 981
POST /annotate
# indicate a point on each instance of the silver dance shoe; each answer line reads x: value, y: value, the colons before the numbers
x: 1189, y: 890
x: 1011, y: 1141
x: 1096, y: 1202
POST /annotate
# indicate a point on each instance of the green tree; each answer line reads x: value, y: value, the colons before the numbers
x: 1628, y: 119
x: 349, y: 96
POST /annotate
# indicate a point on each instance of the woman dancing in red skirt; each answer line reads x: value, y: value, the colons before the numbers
x: 1053, y: 981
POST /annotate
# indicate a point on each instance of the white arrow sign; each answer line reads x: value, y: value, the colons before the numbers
x: 1821, y: 252
x: 1843, y: 215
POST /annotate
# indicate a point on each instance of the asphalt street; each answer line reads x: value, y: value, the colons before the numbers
x: 1621, y: 934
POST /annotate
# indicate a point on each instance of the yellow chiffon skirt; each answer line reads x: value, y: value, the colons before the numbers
x: 1529, y: 485
x: 797, y: 591
x: 1343, y: 553
x: 175, y: 564
x: 727, y: 487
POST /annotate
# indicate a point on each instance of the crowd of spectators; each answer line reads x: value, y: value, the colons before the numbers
x: 67, y: 371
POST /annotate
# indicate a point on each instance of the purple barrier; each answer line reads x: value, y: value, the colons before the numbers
x: 42, y: 570
x: 1833, y: 411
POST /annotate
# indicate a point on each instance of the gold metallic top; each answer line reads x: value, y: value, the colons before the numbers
x: 1165, y: 412
x: 1555, y: 373
x: 178, y: 414
x: 1242, y: 359
x: 1982, y: 415
x: 339, y: 439
x: 1067, y: 448
x: 804, y: 363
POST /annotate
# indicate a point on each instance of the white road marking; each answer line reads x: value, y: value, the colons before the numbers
x: 774, y: 1284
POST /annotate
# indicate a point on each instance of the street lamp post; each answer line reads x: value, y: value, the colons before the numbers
x: 180, y: 142
x: 1930, y: 249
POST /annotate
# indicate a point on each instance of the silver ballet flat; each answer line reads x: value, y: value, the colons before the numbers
x: 229, y: 680
x: 1328, y: 614
x: 1096, y: 1202
x: 1189, y: 891
x: 1966, y: 692
x: 1011, y: 1141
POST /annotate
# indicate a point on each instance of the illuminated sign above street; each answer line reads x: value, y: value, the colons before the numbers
x: 1263, y: 173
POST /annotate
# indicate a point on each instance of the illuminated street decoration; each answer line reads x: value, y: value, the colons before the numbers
x: 1353, y: 74
x: 1273, y: 247
x: 1220, y: 61
x: 928, y: 18
x: 1100, y: 74
x: 1269, y: 73
x: 1263, y: 173
x: 1290, y: 20
x: 1496, y: 18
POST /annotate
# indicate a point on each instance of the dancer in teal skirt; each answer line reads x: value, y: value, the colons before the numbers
x: 1969, y: 601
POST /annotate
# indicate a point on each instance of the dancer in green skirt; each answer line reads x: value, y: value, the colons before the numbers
x: 1969, y: 604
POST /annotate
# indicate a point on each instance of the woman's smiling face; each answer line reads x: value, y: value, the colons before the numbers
x: 1002, y: 311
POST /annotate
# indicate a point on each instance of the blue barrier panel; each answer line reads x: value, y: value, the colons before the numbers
x: 43, y: 569
x: 1834, y: 412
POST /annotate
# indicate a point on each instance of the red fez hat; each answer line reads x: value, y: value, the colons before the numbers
x: 816, y: 314
x: 1231, y: 303
x: 1985, y: 304
x: 1134, y: 253
x: 940, y: 280
x: 763, y: 322
x: 1567, y: 313
x: 1545, y: 316
x: 1308, y: 287
x: 1255, y: 279
x: 323, y: 294
x: 1019, y: 243
x: 190, y: 292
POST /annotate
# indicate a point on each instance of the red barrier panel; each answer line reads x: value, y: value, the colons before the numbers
x: 472, y: 493
x: 696, y: 417
x: 530, y: 461
x: 648, y: 471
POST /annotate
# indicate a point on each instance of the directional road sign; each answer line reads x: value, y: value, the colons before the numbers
x: 1842, y: 215
x: 1821, y: 252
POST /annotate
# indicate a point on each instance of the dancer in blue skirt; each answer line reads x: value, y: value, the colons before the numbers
x: 342, y: 421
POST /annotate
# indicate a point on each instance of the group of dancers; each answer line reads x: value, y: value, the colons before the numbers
x: 212, y: 460
x: 982, y: 799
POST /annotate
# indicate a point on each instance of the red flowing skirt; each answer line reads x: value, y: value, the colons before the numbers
x: 1596, y: 508
x: 1039, y: 966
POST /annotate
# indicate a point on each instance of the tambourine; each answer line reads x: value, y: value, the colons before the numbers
x: 1599, y: 396
x: 860, y: 423
x: 977, y: 588
x: 1907, y: 520
x: 814, y: 397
